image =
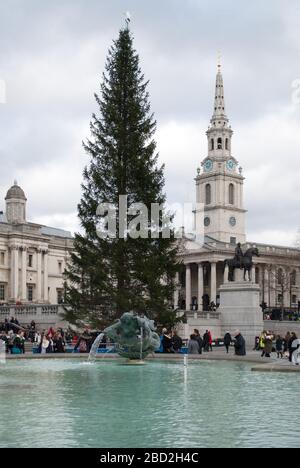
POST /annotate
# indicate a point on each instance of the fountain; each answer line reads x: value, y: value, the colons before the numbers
x: 134, y: 336
x: 95, y: 347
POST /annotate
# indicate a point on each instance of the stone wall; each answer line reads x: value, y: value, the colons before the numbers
x: 45, y: 316
x: 201, y: 322
x: 281, y: 328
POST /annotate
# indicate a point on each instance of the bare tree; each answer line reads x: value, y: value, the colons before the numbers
x: 282, y: 281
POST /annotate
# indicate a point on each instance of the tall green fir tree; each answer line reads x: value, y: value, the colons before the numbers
x: 112, y: 274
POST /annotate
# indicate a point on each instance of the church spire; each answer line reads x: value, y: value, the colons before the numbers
x: 219, y: 132
x: 219, y: 104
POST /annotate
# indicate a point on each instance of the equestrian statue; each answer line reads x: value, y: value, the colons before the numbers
x: 242, y: 261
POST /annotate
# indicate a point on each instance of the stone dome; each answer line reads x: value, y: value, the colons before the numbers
x: 15, y: 192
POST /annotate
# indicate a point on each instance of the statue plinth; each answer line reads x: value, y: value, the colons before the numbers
x: 240, y: 309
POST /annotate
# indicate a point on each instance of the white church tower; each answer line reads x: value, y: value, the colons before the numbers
x: 219, y: 186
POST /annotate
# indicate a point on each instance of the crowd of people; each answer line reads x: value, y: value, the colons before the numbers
x: 287, y: 346
x: 278, y: 315
x: 45, y: 342
x: 172, y: 343
x: 57, y: 341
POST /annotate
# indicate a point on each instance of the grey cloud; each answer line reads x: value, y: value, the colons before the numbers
x: 52, y: 55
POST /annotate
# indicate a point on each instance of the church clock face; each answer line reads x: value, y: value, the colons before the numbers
x: 232, y: 221
x: 206, y: 221
x: 230, y: 165
x: 208, y: 165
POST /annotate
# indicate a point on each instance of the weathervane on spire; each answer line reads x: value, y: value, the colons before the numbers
x: 127, y: 19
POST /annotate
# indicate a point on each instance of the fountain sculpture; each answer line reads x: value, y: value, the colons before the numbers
x: 134, y: 336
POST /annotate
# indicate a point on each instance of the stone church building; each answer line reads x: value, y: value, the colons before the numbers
x: 32, y: 257
x: 219, y: 186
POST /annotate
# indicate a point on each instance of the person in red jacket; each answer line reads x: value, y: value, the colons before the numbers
x: 210, y: 341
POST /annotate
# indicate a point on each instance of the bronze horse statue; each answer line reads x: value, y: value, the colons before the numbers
x: 246, y: 264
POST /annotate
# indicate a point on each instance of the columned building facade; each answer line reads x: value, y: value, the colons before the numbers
x: 32, y: 257
x: 219, y: 187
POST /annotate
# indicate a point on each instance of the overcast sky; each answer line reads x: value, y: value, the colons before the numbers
x: 52, y: 54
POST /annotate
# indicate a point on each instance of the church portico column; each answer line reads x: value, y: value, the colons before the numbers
x: 39, y: 276
x: 253, y: 274
x: 24, y: 274
x: 226, y: 274
x: 213, y: 282
x: 14, y: 249
x: 200, y: 287
x: 46, y: 294
x: 188, y: 287
x: 287, y: 292
x: 272, y: 281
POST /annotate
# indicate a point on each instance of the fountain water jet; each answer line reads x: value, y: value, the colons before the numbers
x: 95, y: 347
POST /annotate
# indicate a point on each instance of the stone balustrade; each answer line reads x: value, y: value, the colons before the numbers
x: 44, y: 315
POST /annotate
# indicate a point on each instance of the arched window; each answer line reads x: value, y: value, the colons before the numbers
x: 212, y: 144
x: 280, y: 276
x: 208, y: 194
x: 220, y: 144
x: 294, y: 278
x: 231, y: 194
x: 227, y: 144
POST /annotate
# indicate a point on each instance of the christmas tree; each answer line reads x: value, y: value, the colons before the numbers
x: 110, y: 274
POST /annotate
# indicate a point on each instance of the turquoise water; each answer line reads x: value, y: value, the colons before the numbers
x: 63, y: 403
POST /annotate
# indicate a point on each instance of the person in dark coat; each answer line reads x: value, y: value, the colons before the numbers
x: 227, y: 341
x: 206, y: 341
x: 167, y: 344
x: 58, y: 344
x: 193, y: 345
x: 199, y: 339
x: 239, y: 344
x: 279, y: 347
x: 176, y: 342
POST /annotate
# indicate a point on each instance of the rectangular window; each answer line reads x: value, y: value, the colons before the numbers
x: 294, y: 299
x: 2, y: 258
x: 233, y: 240
x: 60, y: 296
x: 30, y: 261
x: 2, y: 292
x: 29, y: 293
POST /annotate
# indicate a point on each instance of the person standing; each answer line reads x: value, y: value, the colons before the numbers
x: 268, y: 345
x: 176, y: 342
x: 262, y: 343
x: 167, y: 343
x: 291, y: 344
x: 227, y: 341
x: 286, y: 342
x: 44, y: 344
x: 206, y: 342
x: 199, y: 339
x: 58, y: 344
x: 279, y: 347
x: 164, y: 331
x: 210, y: 341
x: 239, y: 344
x: 193, y: 345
